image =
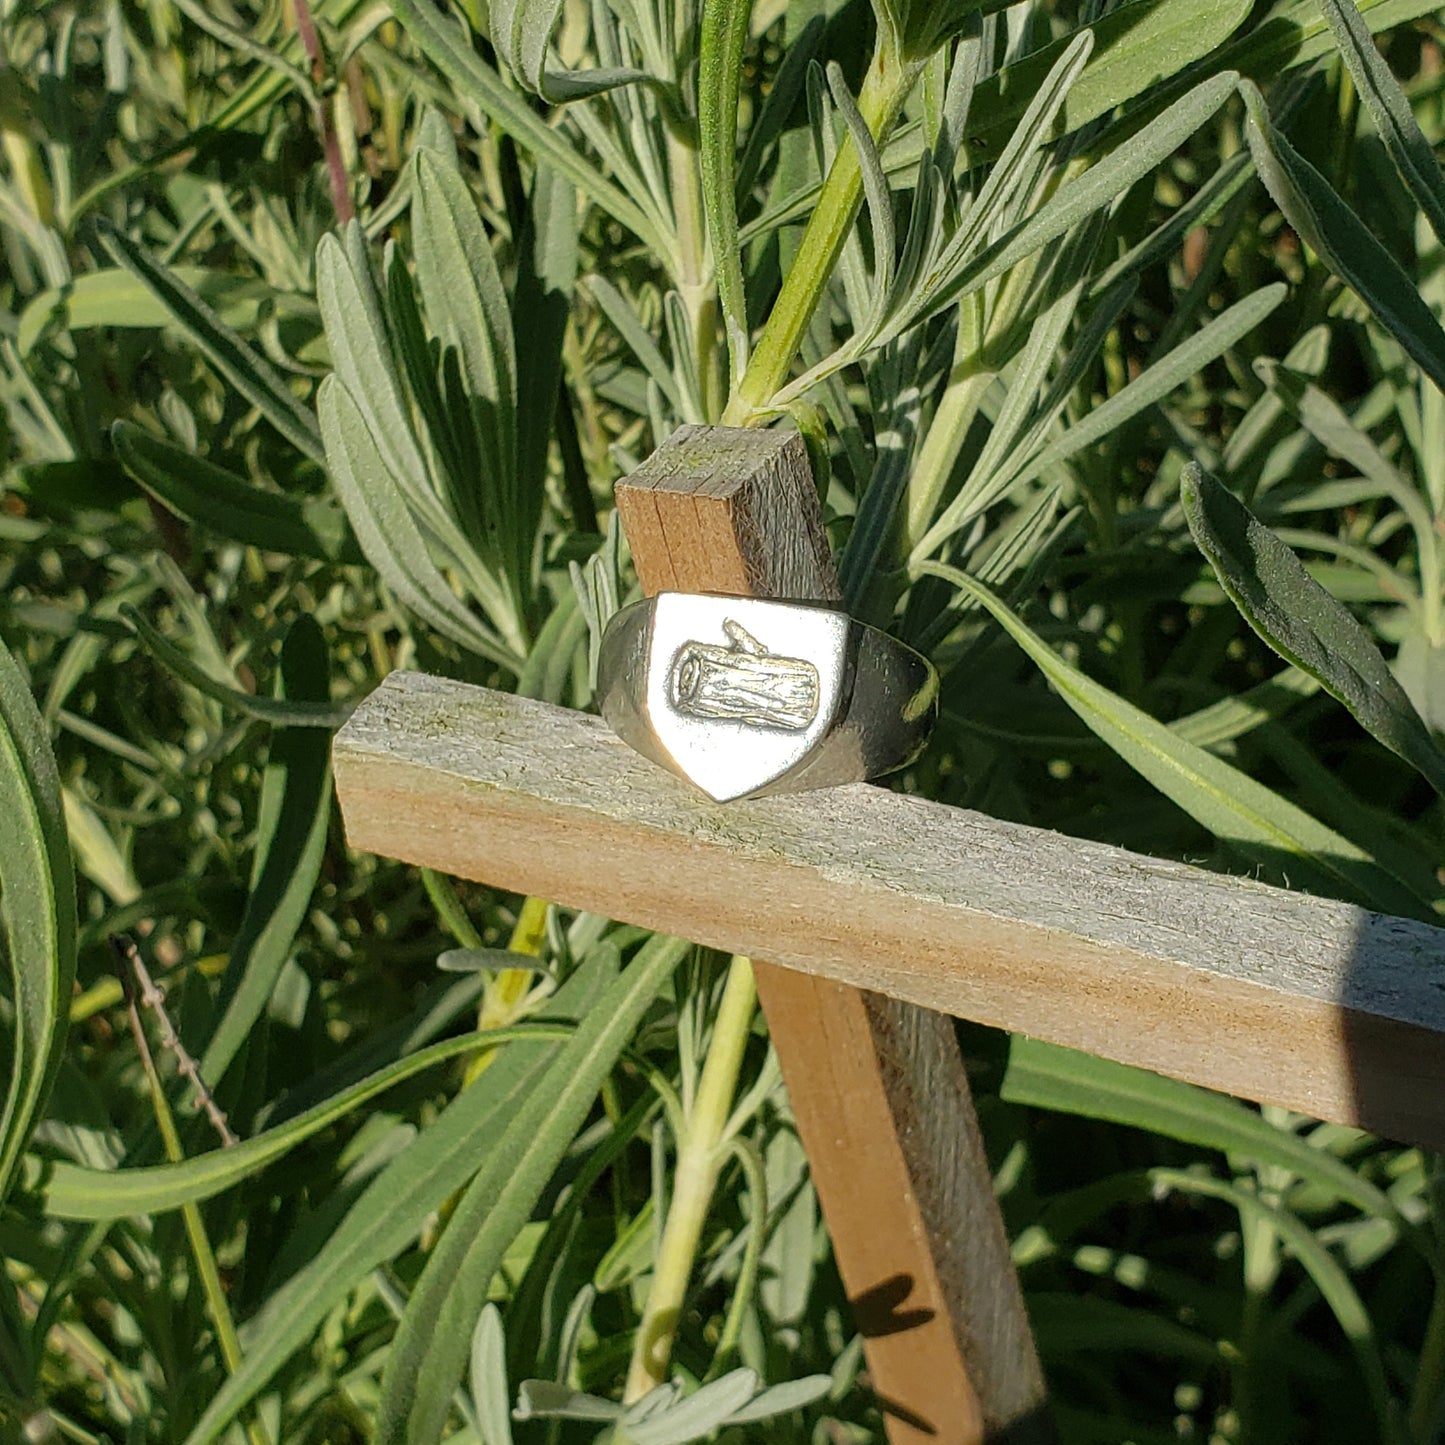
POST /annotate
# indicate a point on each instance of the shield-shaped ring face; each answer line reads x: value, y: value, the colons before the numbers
x: 739, y: 691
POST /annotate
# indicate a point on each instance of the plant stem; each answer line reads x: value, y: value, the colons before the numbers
x: 700, y: 1154
x: 1261, y: 1270
x: 1261, y: 1266
x: 696, y: 282
x: 508, y: 987
x: 1429, y: 1386
x: 325, y: 128
x: 884, y: 90
x: 1430, y: 1376
x: 205, y: 1257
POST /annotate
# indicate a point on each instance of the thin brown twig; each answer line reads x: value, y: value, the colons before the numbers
x: 202, y: 1251
x: 153, y: 997
x: 330, y: 143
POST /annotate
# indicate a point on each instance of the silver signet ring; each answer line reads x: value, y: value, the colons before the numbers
x: 743, y: 697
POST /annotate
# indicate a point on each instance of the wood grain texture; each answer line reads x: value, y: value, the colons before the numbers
x: 1276, y: 996
x: 876, y: 1085
x: 730, y: 510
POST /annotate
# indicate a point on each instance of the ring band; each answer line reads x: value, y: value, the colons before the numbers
x: 744, y: 697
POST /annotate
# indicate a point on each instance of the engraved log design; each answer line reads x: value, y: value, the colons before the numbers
x: 744, y: 682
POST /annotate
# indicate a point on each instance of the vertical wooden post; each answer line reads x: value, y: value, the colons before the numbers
x: 877, y: 1086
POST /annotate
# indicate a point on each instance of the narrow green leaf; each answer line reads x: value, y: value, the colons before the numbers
x: 695, y: 1416
x: 1153, y: 385
x: 1136, y: 45
x: 1231, y: 717
x: 619, y: 311
x: 1037, y: 128
x: 546, y: 280
x: 444, y: 43
x: 1389, y: 108
x: 1197, y: 210
x: 723, y: 36
x: 548, y: 1400
x: 781, y: 1398
x: 117, y: 297
x: 1420, y: 666
x: 961, y: 274
x: 68, y: 1191
x: 362, y: 359
x: 1187, y: 360
x: 875, y: 191
x: 291, y: 839
x: 1324, y: 1269
x: 280, y: 712
x: 491, y: 1395
x: 1250, y: 447
x: 201, y: 492
x: 1336, y: 233
x: 1326, y: 421
x: 387, y: 532
x: 251, y: 374
x: 1047, y: 1076
x: 466, y: 307
x: 453, y: 443
x: 37, y: 912
x: 1302, y: 622
x: 1229, y: 803
x: 522, y: 30
x: 394, y: 1206
x: 549, y: 668
x: 429, y: 1353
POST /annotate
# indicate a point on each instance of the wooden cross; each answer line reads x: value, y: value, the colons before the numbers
x: 880, y: 916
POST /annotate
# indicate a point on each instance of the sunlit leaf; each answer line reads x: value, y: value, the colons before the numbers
x: 1389, y: 108
x: 478, y: 85
x: 1229, y: 803
x: 466, y: 307
x: 723, y: 33
x: 68, y: 1191
x: 1136, y: 45
x: 391, y: 1210
x: 1047, y: 1076
x: 386, y: 531
x: 1342, y: 240
x: 522, y: 32
x: 1302, y: 622
x: 119, y: 297
x: 490, y: 1395
x: 429, y: 1354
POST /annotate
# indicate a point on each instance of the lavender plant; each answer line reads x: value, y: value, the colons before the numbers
x: 330, y: 326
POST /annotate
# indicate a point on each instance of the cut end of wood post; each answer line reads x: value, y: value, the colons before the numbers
x: 729, y: 510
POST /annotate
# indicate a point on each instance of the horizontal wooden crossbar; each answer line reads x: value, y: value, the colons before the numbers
x: 1270, y: 995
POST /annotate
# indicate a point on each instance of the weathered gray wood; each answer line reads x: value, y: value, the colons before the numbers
x: 916, y: 1230
x: 1263, y: 993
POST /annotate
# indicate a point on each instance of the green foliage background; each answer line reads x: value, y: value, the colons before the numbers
x: 1113, y: 331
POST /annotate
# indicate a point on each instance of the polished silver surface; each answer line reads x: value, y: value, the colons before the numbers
x: 744, y: 697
